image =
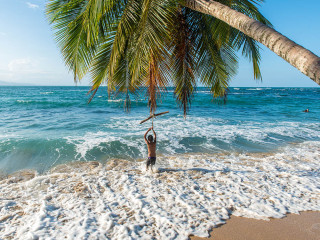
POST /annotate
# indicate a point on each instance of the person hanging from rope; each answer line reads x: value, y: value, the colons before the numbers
x: 151, y: 143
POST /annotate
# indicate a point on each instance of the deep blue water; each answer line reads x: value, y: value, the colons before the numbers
x: 44, y: 126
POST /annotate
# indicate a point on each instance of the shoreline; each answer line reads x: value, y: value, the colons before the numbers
x: 305, y: 225
x: 187, y: 195
x: 224, y: 156
x: 32, y: 172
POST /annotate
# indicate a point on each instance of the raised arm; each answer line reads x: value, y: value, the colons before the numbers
x: 155, y: 135
x: 145, y: 135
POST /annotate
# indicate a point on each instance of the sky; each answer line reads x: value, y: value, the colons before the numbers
x: 29, y: 53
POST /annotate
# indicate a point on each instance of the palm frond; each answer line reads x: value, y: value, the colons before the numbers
x: 250, y: 47
x: 217, y: 60
x: 156, y: 82
x: 148, y: 52
x: 127, y: 44
x: 184, y: 56
x: 125, y: 31
x: 99, y: 70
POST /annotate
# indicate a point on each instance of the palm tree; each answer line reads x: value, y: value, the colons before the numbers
x: 299, y: 57
x: 128, y: 44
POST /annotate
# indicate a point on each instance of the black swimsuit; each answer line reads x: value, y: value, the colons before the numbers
x: 151, y: 161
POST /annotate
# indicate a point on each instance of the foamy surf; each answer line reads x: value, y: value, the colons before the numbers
x: 42, y: 127
x: 189, y: 194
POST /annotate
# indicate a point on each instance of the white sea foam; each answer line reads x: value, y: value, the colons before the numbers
x: 189, y: 194
x: 255, y: 89
x: 173, y: 132
x: 24, y: 101
x: 240, y: 93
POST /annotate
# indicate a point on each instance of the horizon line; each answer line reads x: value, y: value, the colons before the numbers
x: 31, y: 85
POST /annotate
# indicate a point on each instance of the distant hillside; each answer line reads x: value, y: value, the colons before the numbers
x: 3, y: 83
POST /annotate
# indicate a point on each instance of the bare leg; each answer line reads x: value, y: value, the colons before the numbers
x: 148, y: 164
x: 153, y: 163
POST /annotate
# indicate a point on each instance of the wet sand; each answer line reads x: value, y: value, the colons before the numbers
x: 305, y: 226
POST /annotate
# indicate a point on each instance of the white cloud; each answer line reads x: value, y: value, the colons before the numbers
x: 31, y: 5
x: 36, y: 71
x: 22, y: 65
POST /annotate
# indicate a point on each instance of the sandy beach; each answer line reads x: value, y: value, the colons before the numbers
x: 188, y: 195
x: 293, y: 227
x: 159, y: 120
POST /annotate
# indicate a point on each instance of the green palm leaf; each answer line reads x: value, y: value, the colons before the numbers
x: 129, y: 44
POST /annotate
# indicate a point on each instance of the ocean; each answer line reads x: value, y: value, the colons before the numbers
x: 45, y: 126
x: 75, y: 170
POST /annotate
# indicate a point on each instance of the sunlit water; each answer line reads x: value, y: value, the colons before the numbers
x: 82, y: 167
x: 41, y: 127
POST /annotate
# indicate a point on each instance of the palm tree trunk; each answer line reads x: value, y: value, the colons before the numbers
x: 299, y: 57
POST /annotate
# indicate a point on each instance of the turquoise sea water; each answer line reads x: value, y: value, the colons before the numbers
x: 41, y: 127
